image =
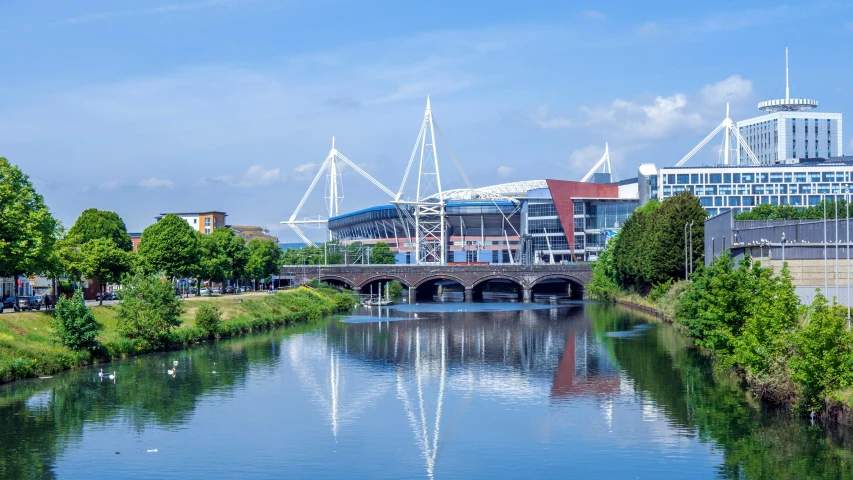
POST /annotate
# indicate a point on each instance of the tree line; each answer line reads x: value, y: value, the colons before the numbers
x: 336, y: 253
x: 33, y: 242
x: 767, y: 211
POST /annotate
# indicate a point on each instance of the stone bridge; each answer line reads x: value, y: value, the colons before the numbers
x: 528, y: 280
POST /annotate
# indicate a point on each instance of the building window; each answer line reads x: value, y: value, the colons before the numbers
x: 718, y: 201
x: 682, y: 179
x: 206, y: 230
x: 734, y: 201
x: 707, y: 201
x: 747, y: 177
x: 694, y: 179
x: 776, y: 177
x: 799, y: 177
x: 195, y: 220
x: 736, y: 178
x: 670, y: 179
x: 710, y: 190
x: 716, y: 178
x: 748, y: 201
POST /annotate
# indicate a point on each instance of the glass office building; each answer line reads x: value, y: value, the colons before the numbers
x: 740, y: 188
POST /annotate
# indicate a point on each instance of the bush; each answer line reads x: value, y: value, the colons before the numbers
x: 658, y: 291
x: 74, y: 325
x: 148, y: 308
x: 823, y: 355
x: 208, y: 319
x: 396, y: 289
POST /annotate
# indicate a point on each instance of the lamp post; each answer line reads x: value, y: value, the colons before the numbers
x: 783, y: 249
x: 691, y: 246
x: 685, y: 249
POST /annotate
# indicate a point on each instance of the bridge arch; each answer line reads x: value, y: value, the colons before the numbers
x: 374, y: 280
x: 557, y: 284
x: 427, y: 286
x: 498, y: 286
x: 338, y: 280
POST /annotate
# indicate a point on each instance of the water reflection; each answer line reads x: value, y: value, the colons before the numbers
x: 458, y: 391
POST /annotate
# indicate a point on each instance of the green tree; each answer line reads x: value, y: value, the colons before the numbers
x: 27, y: 229
x: 74, y: 326
x: 214, y: 264
x: 381, y: 254
x: 106, y: 261
x: 95, y: 224
x: 265, y: 258
x: 823, y: 358
x: 666, y: 244
x: 148, y: 308
x: 235, y: 249
x: 170, y: 246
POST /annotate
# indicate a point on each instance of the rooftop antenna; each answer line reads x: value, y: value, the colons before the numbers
x: 787, y: 104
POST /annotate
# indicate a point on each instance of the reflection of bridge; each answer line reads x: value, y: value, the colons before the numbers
x: 473, y: 278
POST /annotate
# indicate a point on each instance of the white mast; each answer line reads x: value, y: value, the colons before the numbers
x: 727, y: 137
x: 729, y: 128
x: 787, y: 88
x: 603, y: 163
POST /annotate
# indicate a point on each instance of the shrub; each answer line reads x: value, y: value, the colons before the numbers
x: 823, y: 355
x: 74, y: 325
x: 658, y: 291
x: 208, y: 318
x: 396, y: 289
x: 148, y: 308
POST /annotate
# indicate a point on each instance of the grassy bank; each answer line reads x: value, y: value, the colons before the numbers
x: 28, y: 350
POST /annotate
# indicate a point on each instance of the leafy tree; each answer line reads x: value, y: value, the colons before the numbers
x: 823, y: 358
x: 27, y: 230
x: 208, y: 319
x: 264, y: 259
x: 603, y: 286
x: 170, y: 246
x: 74, y: 325
x: 235, y: 249
x: 665, y: 253
x: 381, y: 254
x: 214, y: 264
x: 148, y: 308
x: 106, y: 261
x: 395, y: 289
x: 96, y: 224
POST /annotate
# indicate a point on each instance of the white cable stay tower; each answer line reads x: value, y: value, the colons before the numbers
x: 603, y: 164
x: 727, y: 126
x: 425, y: 214
x: 334, y: 192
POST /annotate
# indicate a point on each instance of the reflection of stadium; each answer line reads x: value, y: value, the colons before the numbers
x: 530, y: 355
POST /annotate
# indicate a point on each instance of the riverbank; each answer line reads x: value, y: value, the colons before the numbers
x: 27, y: 349
x: 838, y: 404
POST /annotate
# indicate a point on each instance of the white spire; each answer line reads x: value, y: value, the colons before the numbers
x: 787, y: 88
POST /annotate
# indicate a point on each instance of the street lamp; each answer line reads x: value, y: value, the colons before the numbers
x: 783, y: 249
x: 685, y: 249
x: 691, y: 246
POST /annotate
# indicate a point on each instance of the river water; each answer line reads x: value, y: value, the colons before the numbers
x: 434, y: 390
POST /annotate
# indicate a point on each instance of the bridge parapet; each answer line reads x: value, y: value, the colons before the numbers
x: 469, y: 276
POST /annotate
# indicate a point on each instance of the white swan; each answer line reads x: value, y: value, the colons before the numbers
x: 101, y: 374
x: 112, y: 376
x: 175, y: 363
x: 171, y: 372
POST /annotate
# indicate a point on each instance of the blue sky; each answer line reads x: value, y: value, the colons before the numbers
x: 144, y: 107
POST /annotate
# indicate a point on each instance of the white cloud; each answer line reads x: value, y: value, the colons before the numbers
x: 505, y: 171
x: 582, y: 159
x: 543, y: 118
x: 592, y: 14
x: 155, y: 182
x: 648, y: 28
x: 255, y: 176
x: 629, y: 119
x: 732, y: 89
x: 111, y: 185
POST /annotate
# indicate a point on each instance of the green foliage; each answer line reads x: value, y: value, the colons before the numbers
x: 395, y: 289
x: 148, y: 308
x: 103, y: 259
x: 823, y: 358
x: 208, y: 319
x: 658, y: 291
x: 661, y: 253
x: 264, y: 259
x: 27, y: 230
x: 381, y: 254
x: 788, y: 212
x: 170, y: 246
x: 94, y: 224
x: 74, y: 325
x: 214, y: 263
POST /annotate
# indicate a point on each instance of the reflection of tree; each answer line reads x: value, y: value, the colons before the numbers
x: 682, y: 382
x: 39, y: 418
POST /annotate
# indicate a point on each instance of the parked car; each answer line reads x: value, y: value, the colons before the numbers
x: 35, y: 303
x: 9, y: 302
x: 204, y: 291
x: 24, y: 303
x: 105, y: 296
